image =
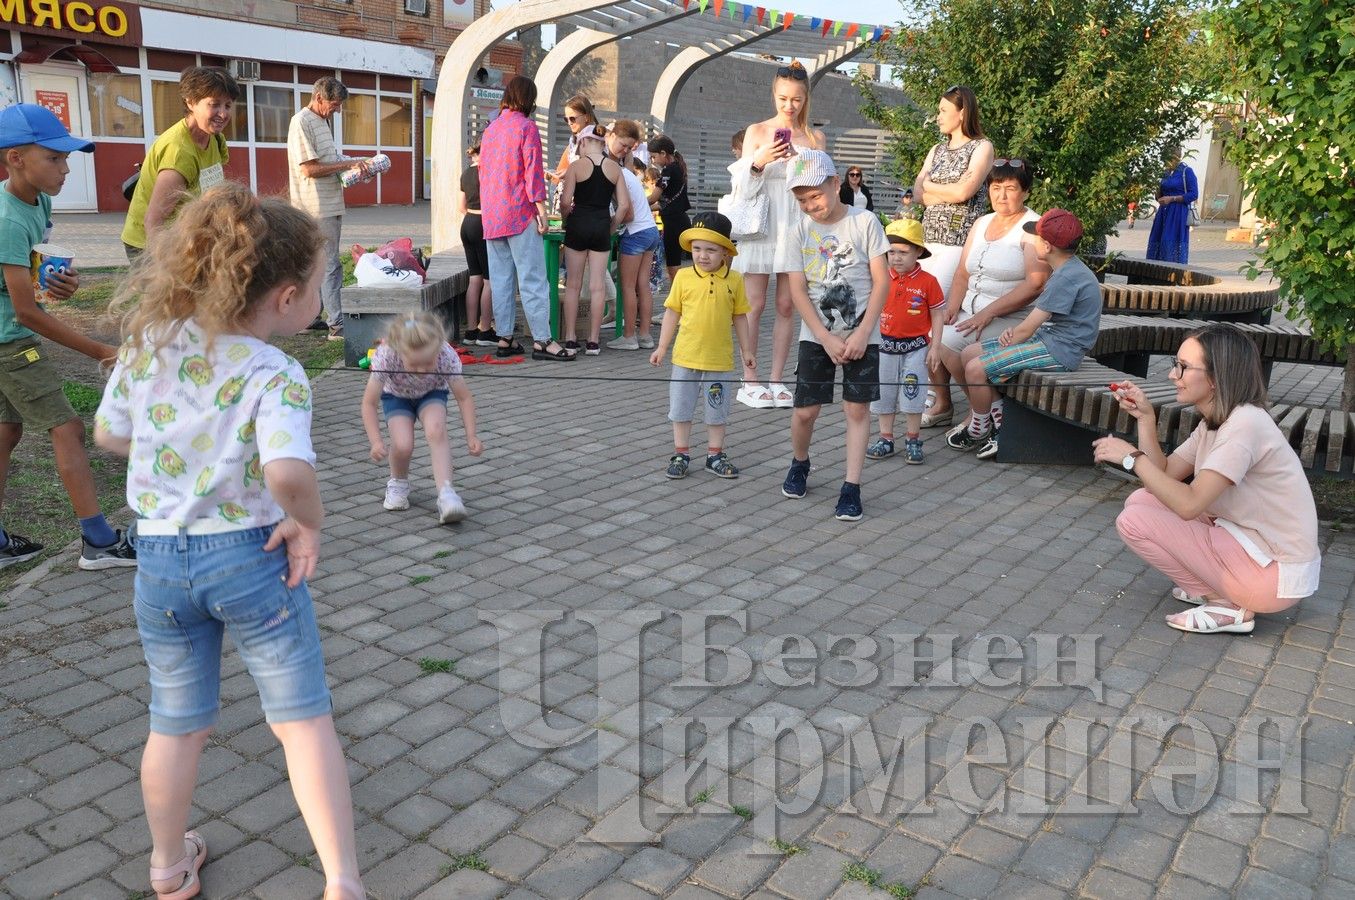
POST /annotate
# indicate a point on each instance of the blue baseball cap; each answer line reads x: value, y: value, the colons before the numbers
x: 28, y: 123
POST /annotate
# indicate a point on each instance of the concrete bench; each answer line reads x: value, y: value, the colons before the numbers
x: 1163, y: 289
x: 367, y: 310
x: 1053, y: 416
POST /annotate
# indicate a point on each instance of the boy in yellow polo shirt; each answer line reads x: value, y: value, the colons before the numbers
x: 707, y: 298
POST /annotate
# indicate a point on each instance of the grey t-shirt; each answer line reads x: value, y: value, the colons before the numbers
x: 1073, y: 298
x: 837, y: 266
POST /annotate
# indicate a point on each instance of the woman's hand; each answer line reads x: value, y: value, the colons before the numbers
x: 1111, y: 450
x: 771, y: 153
x: 1132, y: 399
x: 975, y: 323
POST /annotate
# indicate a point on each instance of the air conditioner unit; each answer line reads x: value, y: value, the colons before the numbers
x: 416, y: 7
x: 243, y: 69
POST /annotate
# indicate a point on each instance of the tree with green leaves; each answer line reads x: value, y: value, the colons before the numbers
x: 1093, y: 94
x: 1294, y: 70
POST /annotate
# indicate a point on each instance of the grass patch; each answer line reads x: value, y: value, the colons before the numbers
x: 82, y: 398
x: 787, y: 849
x: 469, y: 861
x: 1335, y: 498
x: 898, y: 891
x: 442, y: 554
x: 430, y: 665
x: 862, y: 873
x: 420, y: 579
x: 702, y: 797
x: 742, y: 812
x: 607, y: 727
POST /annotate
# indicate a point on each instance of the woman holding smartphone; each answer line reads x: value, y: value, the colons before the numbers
x: 767, y: 145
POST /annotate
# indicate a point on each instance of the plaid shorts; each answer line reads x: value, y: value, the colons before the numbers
x: 1001, y: 363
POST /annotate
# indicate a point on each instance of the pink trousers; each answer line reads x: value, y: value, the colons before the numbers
x: 1201, y: 558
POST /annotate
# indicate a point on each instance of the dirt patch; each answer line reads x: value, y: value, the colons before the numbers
x: 35, y: 502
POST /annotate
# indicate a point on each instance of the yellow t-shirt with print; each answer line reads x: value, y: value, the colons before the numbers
x: 201, y: 167
x: 707, y: 304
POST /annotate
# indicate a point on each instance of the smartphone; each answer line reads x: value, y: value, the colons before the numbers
x: 782, y: 136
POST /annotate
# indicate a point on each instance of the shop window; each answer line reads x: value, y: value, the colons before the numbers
x: 115, y: 105
x: 359, y: 121
x: 273, y: 110
x: 397, y: 121
x: 168, y: 108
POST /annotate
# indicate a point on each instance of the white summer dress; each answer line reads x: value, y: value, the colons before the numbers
x: 778, y: 251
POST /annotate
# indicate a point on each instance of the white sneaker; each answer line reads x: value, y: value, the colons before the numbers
x: 646, y: 341
x: 450, y: 507
x: 624, y: 343
x: 397, y: 494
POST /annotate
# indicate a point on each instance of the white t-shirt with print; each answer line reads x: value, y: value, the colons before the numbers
x: 203, y: 424
x: 837, y: 266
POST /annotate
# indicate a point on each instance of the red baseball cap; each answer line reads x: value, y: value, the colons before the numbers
x: 1058, y: 226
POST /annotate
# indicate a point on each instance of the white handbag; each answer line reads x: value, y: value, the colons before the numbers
x: 745, y: 206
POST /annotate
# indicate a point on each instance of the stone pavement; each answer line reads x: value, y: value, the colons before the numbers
x: 550, y: 761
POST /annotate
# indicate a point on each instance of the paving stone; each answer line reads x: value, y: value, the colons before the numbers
x: 473, y: 828
x: 1209, y: 859
x: 574, y: 870
x: 418, y: 815
x: 60, y: 871
x: 240, y: 870
x: 406, y: 873
x: 737, y: 867
x: 811, y: 874
x: 512, y: 857
x: 654, y: 869
x: 466, y: 884
x: 1055, y: 859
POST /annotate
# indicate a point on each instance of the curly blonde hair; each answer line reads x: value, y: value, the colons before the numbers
x: 219, y: 257
x: 415, y: 333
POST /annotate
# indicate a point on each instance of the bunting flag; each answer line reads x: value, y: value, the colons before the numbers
x: 773, y: 16
x: 742, y: 12
x: 733, y: 11
x: 790, y: 17
x: 827, y: 23
x: 886, y: 35
x: 703, y: 4
x: 875, y: 35
x: 814, y: 23
x: 685, y: 4
x: 761, y: 11
x: 719, y: 7
x: 852, y: 29
x: 837, y: 27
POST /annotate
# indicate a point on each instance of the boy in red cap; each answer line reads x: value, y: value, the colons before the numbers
x: 1057, y: 332
x: 34, y: 146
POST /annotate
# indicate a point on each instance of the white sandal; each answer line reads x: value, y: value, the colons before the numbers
x: 1200, y: 620
x: 756, y: 396
x: 1179, y: 594
x: 782, y: 398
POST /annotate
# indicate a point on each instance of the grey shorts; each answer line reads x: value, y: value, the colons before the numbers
x: 903, y: 382
x: 690, y: 385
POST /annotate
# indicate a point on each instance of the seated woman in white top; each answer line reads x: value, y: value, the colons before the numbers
x: 1241, y: 537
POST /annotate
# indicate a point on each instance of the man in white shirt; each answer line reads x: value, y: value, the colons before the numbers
x: 314, y: 164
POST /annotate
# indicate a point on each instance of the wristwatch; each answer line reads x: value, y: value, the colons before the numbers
x: 1132, y: 458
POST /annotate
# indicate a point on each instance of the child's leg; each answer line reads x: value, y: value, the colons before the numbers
x: 600, y: 288
x: 682, y: 436
x: 10, y: 433
x: 433, y: 418
x: 644, y: 291
x: 401, y: 428
x: 169, y: 772
x: 914, y: 421
x: 569, y: 310
x: 319, y: 778
x: 631, y: 267
x: 684, y: 390
x: 887, y: 426
x: 72, y: 464
x: 858, y: 432
x: 802, y: 430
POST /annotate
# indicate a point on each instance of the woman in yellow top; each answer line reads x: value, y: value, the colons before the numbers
x: 186, y: 158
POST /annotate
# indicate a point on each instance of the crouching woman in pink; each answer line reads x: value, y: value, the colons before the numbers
x: 1241, y: 537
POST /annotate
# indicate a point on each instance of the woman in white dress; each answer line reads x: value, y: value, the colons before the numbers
x: 763, y: 166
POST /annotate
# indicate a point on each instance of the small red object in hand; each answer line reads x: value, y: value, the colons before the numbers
x: 1115, y: 387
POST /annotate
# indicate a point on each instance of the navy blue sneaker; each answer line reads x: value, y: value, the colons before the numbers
x: 849, y: 503
x: 796, y: 484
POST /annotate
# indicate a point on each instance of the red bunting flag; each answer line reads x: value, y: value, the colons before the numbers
x: 790, y: 17
x: 827, y: 24
x: 886, y: 34
x: 685, y: 4
x: 719, y: 7
x: 761, y: 11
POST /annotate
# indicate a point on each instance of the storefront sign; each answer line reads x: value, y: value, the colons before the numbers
x: 495, y: 94
x: 58, y: 102
x: 117, y: 23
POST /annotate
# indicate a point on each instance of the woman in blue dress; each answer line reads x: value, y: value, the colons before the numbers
x: 1169, y: 240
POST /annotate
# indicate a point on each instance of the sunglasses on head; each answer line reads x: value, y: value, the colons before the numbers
x: 1012, y: 163
x: 794, y: 70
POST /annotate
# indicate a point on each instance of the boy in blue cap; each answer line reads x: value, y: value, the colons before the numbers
x: 33, y: 147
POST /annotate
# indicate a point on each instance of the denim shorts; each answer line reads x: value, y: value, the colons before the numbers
x: 640, y: 242
x: 392, y: 405
x: 189, y: 590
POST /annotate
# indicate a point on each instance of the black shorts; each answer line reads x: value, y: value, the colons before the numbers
x: 816, y: 373
x: 473, y: 240
x: 586, y: 231
x: 673, y: 226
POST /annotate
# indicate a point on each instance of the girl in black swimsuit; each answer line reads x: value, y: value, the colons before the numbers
x: 590, y: 189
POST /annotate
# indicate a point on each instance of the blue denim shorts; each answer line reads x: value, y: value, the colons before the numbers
x: 392, y: 405
x: 190, y: 589
x: 640, y: 242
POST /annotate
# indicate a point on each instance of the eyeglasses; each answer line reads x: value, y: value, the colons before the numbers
x: 1009, y: 163
x: 572, y: 119
x: 794, y: 70
x: 1179, y: 368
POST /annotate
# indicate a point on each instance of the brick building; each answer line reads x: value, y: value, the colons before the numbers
x: 110, y: 70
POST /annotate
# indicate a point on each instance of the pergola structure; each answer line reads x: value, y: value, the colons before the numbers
x: 597, y: 23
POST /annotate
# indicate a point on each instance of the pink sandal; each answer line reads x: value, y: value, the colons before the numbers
x: 187, y: 867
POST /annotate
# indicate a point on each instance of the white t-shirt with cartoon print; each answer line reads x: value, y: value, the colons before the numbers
x: 203, y: 424
x: 836, y: 262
